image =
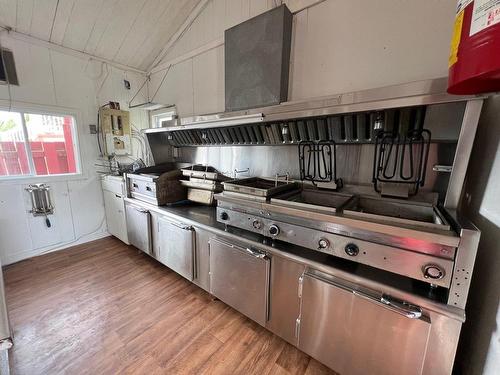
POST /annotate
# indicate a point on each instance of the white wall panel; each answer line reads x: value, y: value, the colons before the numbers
x: 81, y: 23
x: 50, y: 79
x: 145, y: 24
x: 87, y: 205
x: 99, y: 25
x: 208, y: 81
x: 237, y: 11
x: 15, y: 234
x: 125, y: 13
x: 34, y: 73
x: 338, y: 46
x: 259, y: 6
x: 61, y: 229
x: 42, y: 18
x: 357, y: 45
x: 61, y: 20
x: 129, y: 32
x: 24, y: 12
x: 8, y: 12
x: 177, y: 88
x: 170, y: 21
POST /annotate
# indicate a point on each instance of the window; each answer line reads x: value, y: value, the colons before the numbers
x: 35, y: 144
x: 163, y: 117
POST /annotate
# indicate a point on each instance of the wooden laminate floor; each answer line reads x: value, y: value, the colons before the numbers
x: 106, y: 308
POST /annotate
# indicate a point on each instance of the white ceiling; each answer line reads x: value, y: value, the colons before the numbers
x: 129, y: 32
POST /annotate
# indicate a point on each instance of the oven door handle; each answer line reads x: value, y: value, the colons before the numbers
x: 182, y: 226
x: 255, y: 253
x: 400, y: 307
x: 142, y: 210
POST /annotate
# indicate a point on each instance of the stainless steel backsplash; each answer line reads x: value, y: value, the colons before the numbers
x: 354, y: 162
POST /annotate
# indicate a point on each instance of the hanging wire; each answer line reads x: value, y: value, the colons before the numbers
x: 148, y: 78
x: 161, y: 82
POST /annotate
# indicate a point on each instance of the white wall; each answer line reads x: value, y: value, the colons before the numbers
x: 51, y: 79
x: 479, y: 350
x: 337, y: 46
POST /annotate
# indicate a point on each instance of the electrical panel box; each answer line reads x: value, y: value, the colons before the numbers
x: 115, y: 128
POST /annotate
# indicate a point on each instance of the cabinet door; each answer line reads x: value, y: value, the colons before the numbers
x: 112, y: 220
x: 284, y: 298
x: 139, y: 227
x: 358, y: 334
x: 240, y: 278
x: 202, y: 264
x: 115, y: 215
x: 177, y: 247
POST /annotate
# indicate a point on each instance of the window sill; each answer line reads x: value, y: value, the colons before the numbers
x: 25, y: 180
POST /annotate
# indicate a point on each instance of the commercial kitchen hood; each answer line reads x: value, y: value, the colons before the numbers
x: 404, y: 95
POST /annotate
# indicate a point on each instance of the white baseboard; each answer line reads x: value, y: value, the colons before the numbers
x: 16, y: 257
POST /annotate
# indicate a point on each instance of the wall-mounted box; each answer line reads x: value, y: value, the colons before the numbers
x: 257, y: 58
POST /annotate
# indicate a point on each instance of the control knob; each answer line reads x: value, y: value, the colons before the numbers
x: 224, y: 216
x: 257, y: 224
x: 274, y: 230
x: 433, y: 271
x: 323, y: 244
x: 351, y: 249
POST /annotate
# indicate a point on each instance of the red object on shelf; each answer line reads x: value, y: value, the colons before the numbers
x: 474, y: 64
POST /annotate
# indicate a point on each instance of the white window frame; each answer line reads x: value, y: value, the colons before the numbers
x: 162, y: 114
x: 50, y: 111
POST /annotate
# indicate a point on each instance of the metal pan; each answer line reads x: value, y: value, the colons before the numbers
x: 258, y: 186
x: 313, y: 200
x: 209, y: 185
x: 203, y: 171
x: 396, y: 211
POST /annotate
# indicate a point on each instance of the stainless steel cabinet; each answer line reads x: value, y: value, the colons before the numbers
x: 284, y: 298
x: 354, y: 332
x: 202, y: 257
x: 176, y: 248
x: 240, y: 278
x: 139, y: 227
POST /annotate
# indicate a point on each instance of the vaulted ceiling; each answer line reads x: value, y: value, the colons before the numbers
x: 129, y: 32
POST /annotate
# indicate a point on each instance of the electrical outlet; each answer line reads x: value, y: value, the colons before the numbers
x: 93, y: 129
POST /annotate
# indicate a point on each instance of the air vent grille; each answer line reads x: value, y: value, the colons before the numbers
x: 349, y: 128
x: 8, y: 72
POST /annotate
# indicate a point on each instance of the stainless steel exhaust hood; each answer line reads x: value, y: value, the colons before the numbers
x: 404, y: 95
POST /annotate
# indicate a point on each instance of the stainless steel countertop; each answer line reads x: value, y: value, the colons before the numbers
x: 398, y: 286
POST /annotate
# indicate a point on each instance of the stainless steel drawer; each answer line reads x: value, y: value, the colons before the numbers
x: 240, y: 278
x: 353, y: 332
x: 176, y: 249
x: 139, y: 227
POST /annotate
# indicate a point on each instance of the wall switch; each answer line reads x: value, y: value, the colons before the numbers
x: 93, y: 129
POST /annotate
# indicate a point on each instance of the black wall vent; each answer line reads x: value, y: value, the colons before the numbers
x: 8, y: 72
